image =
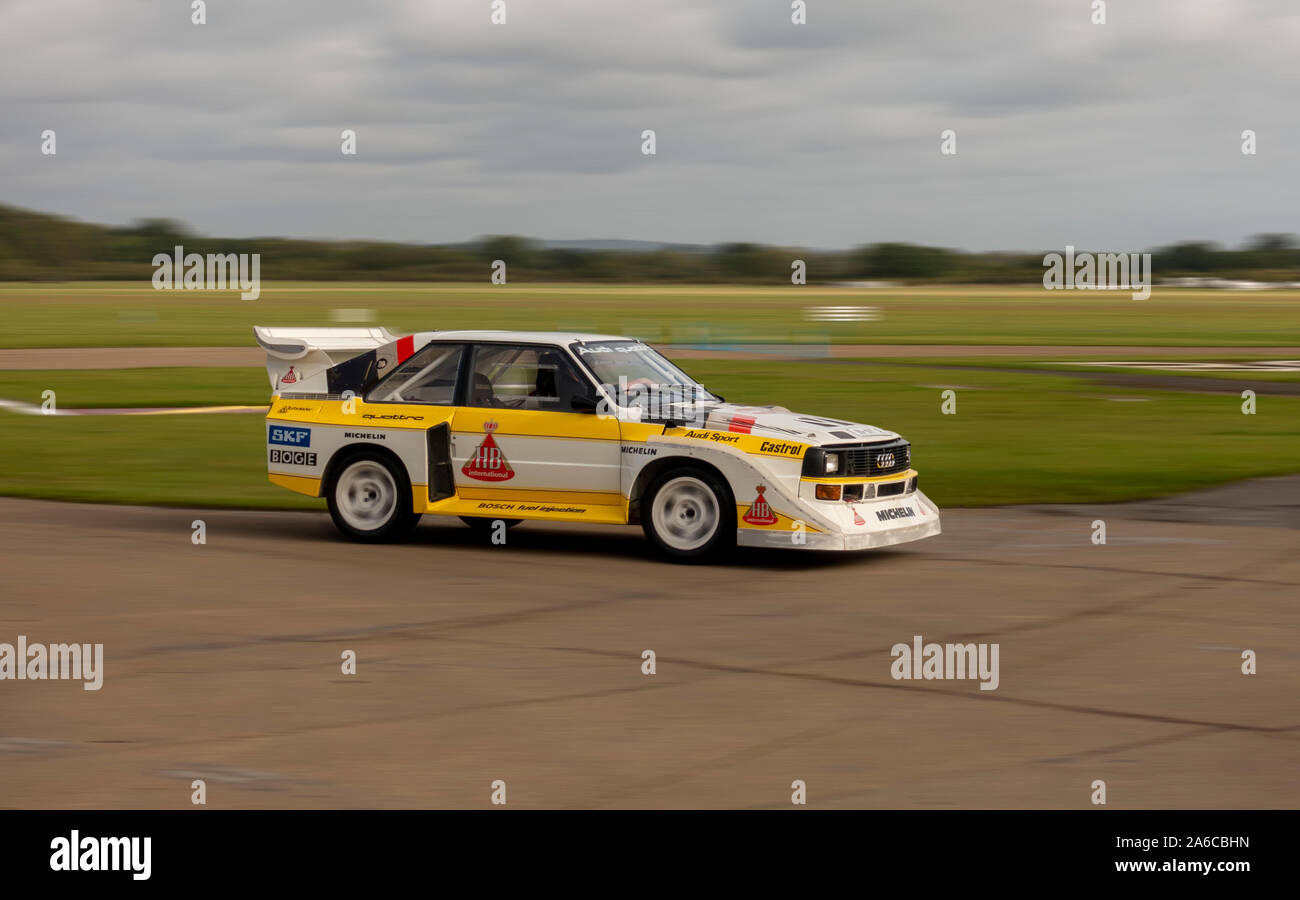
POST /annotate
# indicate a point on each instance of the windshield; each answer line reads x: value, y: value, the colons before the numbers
x: 633, y: 368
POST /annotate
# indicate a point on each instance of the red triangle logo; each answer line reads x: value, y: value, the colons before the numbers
x: 760, y: 513
x: 488, y: 462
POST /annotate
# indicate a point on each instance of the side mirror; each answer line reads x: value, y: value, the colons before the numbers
x: 584, y: 403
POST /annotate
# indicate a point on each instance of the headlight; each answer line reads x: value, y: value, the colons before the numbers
x: 832, y: 463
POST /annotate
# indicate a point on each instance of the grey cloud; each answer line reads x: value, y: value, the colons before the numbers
x: 1123, y: 135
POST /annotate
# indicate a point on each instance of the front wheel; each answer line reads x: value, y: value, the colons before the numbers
x: 690, y: 514
x: 370, y: 499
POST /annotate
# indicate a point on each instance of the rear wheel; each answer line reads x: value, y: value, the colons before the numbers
x: 370, y: 499
x: 690, y: 514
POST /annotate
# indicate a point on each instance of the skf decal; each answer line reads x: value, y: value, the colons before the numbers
x: 760, y: 513
x: 289, y: 437
x: 488, y: 462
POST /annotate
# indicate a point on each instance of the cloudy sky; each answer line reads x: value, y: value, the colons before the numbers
x: 1119, y: 136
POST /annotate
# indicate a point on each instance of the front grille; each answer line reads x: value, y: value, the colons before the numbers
x: 874, y: 460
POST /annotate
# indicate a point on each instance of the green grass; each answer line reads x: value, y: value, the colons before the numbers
x: 1016, y: 437
x: 1063, y: 365
x: 127, y: 314
x: 210, y: 460
x: 1020, y: 438
x: 124, y: 388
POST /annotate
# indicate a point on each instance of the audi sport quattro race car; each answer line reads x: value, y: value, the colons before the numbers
x: 514, y: 426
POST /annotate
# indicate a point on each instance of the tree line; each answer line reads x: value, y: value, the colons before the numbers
x: 39, y: 247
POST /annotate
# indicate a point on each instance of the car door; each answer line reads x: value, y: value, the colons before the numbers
x: 517, y: 439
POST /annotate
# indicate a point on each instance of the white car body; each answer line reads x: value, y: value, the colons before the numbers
x: 527, y: 458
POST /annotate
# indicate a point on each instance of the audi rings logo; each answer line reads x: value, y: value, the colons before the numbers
x: 884, y: 460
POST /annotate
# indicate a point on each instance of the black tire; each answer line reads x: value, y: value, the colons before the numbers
x: 677, y: 523
x: 370, y: 498
x: 483, y: 524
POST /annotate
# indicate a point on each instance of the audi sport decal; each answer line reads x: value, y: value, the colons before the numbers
x: 760, y: 513
x: 289, y: 377
x: 716, y: 436
x: 857, y: 519
x: 488, y: 462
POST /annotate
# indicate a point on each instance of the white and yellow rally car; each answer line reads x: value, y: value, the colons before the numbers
x: 503, y: 425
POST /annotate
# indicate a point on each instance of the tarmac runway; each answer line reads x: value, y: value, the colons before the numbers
x: 523, y: 663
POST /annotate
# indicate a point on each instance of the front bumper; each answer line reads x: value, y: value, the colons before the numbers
x: 872, y: 531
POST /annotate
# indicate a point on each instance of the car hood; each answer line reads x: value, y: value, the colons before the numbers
x: 779, y: 422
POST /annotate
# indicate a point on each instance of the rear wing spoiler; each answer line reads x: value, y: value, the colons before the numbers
x: 297, y: 359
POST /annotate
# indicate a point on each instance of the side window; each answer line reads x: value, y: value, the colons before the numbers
x: 429, y: 376
x: 524, y: 376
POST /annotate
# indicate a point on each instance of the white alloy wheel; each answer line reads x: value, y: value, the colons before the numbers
x: 685, y: 513
x: 366, y: 495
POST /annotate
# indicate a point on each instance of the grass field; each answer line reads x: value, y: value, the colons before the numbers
x: 127, y: 314
x: 1070, y: 366
x: 126, y: 388
x: 1026, y: 429
x: 1017, y: 437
